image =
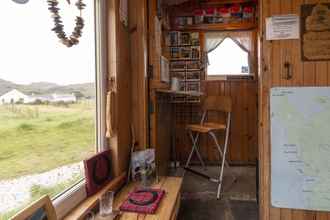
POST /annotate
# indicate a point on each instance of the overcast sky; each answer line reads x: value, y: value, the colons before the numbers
x: 31, y: 52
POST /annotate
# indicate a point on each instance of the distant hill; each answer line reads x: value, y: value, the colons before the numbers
x: 87, y: 89
x: 6, y: 86
x: 42, y: 85
x: 43, y: 88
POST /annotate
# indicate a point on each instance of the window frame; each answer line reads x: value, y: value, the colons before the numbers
x: 251, y: 60
x: 70, y: 198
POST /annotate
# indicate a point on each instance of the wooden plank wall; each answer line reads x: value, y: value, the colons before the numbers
x: 274, y: 54
x: 243, y: 139
x: 119, y: 69
x: 138, y: 54
x: 160, y: 118
x: 243, y: 145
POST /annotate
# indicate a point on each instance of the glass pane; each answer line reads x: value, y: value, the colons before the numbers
x: 228, y: 59
x: 47, y: 102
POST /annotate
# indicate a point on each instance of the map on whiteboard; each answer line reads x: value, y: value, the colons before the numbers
x: 300, y: 148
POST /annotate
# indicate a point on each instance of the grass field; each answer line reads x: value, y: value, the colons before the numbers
x: 38, y: 138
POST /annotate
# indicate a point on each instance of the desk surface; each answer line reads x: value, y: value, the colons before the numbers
x: 183, y: 93
x: 168, y: 207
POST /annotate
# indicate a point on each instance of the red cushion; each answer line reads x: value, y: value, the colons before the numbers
x: 98, y: 172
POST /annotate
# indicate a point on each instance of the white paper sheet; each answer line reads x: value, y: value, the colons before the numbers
x: 282, y: 27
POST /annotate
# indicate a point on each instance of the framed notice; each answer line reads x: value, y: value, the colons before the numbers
x: 282, y: 27
x: 315, y: 32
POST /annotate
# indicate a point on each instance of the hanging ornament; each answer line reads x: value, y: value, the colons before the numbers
x: 73, y: 39
x: 21, y: 1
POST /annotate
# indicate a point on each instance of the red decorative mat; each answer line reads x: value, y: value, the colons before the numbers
x: 144, y: 201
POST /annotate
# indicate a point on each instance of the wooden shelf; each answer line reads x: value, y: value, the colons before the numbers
x: 186, y: 6
x: 193, y: 70
x: 218, y: 27
x: 185, y: 59
x: 182, y: 93
x: 223, y: 2
x: 183, y: 45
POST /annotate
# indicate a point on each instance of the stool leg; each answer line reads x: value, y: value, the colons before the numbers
x: 193, y: 148
x: 223, y: 163
x: 195, y: 145
x: 218, y: 146
x: 224, y: 156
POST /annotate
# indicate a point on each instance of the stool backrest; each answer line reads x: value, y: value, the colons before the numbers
x: 217, y: 103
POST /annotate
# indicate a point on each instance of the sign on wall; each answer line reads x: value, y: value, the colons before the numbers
x: 315, y: 32
x: 282, y: 27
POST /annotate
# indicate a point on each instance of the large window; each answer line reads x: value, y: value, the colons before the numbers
x: 228, y: 53
x: 48, y: 103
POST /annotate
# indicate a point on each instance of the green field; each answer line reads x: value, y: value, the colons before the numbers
x: 39, y: 138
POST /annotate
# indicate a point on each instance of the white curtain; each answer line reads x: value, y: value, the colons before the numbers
x: 244, y: 39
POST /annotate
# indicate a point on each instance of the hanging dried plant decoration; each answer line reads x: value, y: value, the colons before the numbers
x: 73, y: 39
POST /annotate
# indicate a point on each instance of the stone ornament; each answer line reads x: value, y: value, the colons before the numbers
x: 73, y: 39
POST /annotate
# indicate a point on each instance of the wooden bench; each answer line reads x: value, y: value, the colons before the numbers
x: 168, y: 209
x: 169, y: 206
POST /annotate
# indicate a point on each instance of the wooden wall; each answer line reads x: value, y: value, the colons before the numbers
x: 243, y: 144
x: 139, y: 57
x: 160, y: 116
x: 119, y: 70
x: 244, y: 132
x: 274, y: 54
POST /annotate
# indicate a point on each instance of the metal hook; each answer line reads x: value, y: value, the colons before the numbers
x: 287, y: 65
x: 288, y: 68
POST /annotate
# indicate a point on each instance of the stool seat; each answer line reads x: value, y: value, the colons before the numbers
x: 206, y: 127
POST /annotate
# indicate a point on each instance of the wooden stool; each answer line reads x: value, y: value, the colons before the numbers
x: 215, y: 104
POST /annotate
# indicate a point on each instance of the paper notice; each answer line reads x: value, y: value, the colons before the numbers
x: 282, y: 27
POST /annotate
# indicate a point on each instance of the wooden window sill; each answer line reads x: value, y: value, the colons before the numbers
x: 230, y: 77
x: 90, y: 203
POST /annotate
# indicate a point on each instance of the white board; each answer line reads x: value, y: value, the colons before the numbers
x: 300, y: 148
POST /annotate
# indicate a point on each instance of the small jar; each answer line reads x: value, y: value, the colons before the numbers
x: 248, y: 13
x: 180, y: 21
x: 224, y: 13
x: 236, y: 13
x: 218, y: 17
x: 199, y: 16
x: 210, y: 16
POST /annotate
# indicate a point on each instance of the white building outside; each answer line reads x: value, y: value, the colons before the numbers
x: 15, y: 96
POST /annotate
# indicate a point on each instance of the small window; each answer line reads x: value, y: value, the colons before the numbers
x: 228, y: 58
